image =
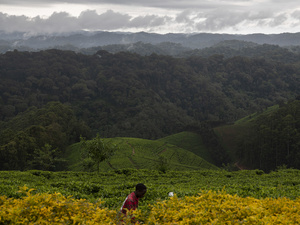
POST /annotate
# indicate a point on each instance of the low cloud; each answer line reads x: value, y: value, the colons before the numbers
x: 230, y: 16
x: 278, y: 20
x: 87, y: 20
x: 149, y: 21
x: 222, y: 19
x: 109, y: 20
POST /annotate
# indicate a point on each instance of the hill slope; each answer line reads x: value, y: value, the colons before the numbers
x: 191, y: 142
x: 126, y: 95
x: 149, y: 97
x: 231, y: 135
x: 142, y: 154
x: 265, y: 140
x: 99, y: 38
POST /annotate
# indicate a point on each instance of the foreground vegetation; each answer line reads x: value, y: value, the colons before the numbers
x: 113, y: 186
x: 212, y: 196
x: 206, y: 208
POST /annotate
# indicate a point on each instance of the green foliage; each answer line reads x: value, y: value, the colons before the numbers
x: 52, y: 97
x: 254, y: 116
x: 125, y: 94
x: 46, y: 158
x: 266, y: 141
x: 235, y: 48
x: 190, y: 141
x: 162, y: 164
x: 96, y: 151
x: 138, y: 153
x: 37, y: 138
x: 278, y: 134
x: 113, y: 186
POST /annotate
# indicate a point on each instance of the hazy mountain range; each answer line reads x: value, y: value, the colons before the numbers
x: 22, y: 41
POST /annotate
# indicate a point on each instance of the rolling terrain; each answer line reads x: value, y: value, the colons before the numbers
x: 135, y: 153
x: 207, y: 102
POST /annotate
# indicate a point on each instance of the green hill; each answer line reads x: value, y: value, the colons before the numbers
x: 191, y: 142
x: 265, y: 140
x: 254, y: 116
x: 50, y: 98
x: 142, y: 154
x: 230, y: 135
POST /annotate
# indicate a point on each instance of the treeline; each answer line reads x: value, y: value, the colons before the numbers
x: 273, y: 140
x: 229, y: 49
x: 235, y: 48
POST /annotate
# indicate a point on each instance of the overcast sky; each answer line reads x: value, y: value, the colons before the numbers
x: 157, y: 16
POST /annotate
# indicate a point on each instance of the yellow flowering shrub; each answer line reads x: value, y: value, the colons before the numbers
x: 208, y: 207
x: 53, y: 209
x: 220, y: 208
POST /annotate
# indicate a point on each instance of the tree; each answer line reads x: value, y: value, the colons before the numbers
x: 96, y: 151
x: 163, y: 164
x: 17, y: 152
x: 44, y: 158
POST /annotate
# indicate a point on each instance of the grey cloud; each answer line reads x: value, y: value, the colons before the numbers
x: 296, y: 14
x: 259, y: 15
x: 59, y: 22
x: 149, y: 21
x: 276, y: 5
x: 64, y: 22
x: 9, y: 23
x: 193, y: 15
x: 278, y: 20
x: 184, y: 17
x: 109, y: 20
x: 174, y: 4
x: 220, y: 19
x: 88, y: 20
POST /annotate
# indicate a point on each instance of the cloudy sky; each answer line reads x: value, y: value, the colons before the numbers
x: 157, y: 16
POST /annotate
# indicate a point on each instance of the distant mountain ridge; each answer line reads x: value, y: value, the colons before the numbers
x: 11, y: 41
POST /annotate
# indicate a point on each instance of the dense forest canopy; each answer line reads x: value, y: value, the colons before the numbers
x: 273, y: 139
x: 37, y: 138
x: 126, y: 94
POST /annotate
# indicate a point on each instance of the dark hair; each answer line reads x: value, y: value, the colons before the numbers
x: 140, y: 187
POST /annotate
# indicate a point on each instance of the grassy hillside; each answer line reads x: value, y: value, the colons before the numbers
x: 138, y: 153
x: 229, y: 136
x: 191, y: 142
x: 255, y: 115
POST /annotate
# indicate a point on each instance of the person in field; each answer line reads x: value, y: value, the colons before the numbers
x: 132, y: 200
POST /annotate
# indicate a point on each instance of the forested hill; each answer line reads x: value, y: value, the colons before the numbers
x: 49, y: 98
x: 126, y: 94
x: 88, y: 39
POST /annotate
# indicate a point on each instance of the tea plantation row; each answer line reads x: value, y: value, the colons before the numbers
x: 113, y: 187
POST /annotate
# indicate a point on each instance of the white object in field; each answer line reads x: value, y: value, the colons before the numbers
x: 171, y: 194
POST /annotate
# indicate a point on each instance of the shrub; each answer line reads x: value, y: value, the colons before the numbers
x: 53, y: 209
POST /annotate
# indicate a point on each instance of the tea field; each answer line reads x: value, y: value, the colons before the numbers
x: 201, y: 197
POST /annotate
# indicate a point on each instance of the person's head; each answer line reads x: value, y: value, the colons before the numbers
x: 140, y: 190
